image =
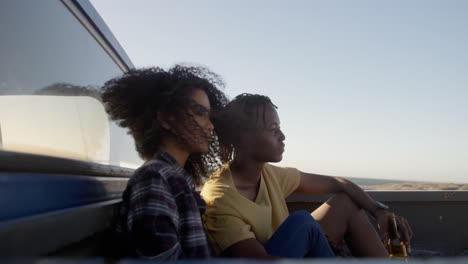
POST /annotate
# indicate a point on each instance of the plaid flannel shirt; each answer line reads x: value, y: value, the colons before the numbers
x: 160, y: 214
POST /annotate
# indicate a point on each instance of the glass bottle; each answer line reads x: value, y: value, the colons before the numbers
x: 396, y: 247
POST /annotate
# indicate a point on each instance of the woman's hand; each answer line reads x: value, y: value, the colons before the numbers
x: 404, y: 229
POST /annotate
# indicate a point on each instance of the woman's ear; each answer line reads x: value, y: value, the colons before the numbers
x: 163, y: 121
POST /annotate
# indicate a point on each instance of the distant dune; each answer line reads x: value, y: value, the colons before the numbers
x: 383, y: 184
x: 418, y: 186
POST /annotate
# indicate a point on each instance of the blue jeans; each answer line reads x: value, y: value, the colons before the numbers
x: 299, y: 236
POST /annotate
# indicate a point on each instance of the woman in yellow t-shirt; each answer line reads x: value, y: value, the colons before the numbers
x: 247, y: 214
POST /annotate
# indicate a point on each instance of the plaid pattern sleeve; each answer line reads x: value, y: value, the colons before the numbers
x: 160, y: 215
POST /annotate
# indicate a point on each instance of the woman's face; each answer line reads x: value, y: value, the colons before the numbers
x: 266, y: 144
x: 197, y: 129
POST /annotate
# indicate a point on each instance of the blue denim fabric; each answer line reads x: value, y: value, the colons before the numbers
x: 299, y: 236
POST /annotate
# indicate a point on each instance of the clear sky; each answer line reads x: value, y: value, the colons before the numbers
x: 374, y: 89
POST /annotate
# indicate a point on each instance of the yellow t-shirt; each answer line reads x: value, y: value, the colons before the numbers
x: 230, y: 217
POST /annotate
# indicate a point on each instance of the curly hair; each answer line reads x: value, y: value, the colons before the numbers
x: 134, y: 100
x: 244, y: 114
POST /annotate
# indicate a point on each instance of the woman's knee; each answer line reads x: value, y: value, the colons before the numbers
x: 344, y: 202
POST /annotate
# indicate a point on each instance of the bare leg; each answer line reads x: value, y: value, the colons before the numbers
x: 341, y: 218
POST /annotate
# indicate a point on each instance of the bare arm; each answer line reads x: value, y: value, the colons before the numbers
x: 248, y: 248
x: 321, y: 184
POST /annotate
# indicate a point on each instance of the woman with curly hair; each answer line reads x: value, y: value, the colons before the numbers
x: 247, y: 214
x: 168, y: 114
